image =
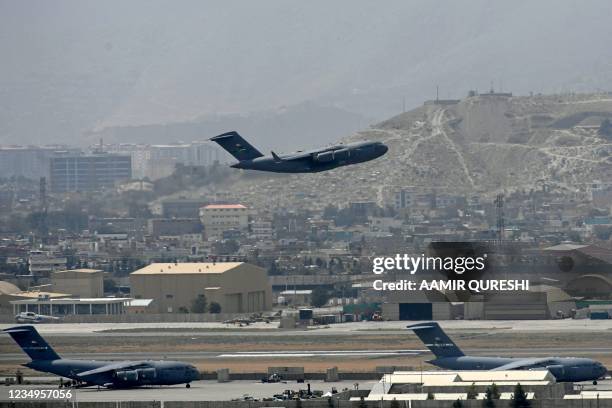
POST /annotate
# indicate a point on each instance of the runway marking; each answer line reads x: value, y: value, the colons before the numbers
x: 338, y: 353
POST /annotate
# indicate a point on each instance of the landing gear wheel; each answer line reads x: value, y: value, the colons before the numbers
x: 187, y: 385
x: 594, y: 382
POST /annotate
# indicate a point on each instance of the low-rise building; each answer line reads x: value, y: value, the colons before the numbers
x: 84, y: 283
x: 174, y: 226
x: 44, y: 263
x: 65, y: 306
x: 453, y: 385
x: 217, y: 218
x: 237, y: 287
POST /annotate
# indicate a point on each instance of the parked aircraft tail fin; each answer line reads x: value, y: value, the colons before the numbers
x: 235, y: 145
x: 32, y: 343
x: 434, y: 338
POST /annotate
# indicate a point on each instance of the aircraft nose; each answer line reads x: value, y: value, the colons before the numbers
x: 195, y: 374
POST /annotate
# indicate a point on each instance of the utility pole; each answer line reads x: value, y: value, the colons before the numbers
x: 499, y: 204
x: 42, y: 197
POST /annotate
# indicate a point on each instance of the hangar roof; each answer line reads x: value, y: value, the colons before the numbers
x: 83, y: 270
x: 225, y: 207
x: 187, y: 268
x: 7, y: 288
x: 600, y: 253
x: 454, y: 378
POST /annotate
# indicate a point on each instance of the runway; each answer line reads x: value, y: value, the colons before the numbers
x: 299, y: 354
x: 199, y: 391
x: 271, y: 329
x: 188, y: 355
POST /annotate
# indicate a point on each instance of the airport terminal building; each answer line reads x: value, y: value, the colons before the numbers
x: 237, y: 287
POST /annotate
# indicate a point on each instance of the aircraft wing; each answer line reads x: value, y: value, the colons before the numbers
x: 524, y: 364
x: 310, y: 153
x: 298, y: 155
x: 115, y: 366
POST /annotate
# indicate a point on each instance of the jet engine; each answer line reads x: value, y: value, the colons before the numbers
x: 556, y: 370
x: 146, y: 373
x: 325, y: 157
x: 127, y: 375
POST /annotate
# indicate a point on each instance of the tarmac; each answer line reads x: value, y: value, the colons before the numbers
x: 199, y: 391
x: 214, y: 391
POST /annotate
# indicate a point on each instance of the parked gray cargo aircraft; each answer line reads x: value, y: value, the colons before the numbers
x: 110, y: 374
x: 311, y: 161
x: 450, y: 357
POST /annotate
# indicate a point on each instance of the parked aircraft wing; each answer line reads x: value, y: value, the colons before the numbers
x: 525, y: 364
x: 116, y: 366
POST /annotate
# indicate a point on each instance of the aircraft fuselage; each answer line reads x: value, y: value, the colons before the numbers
x: 316, y: 160
x: 156, y: 372
x: 564, y: 369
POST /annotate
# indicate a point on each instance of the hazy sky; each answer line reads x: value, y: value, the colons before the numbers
x: 69, y: 67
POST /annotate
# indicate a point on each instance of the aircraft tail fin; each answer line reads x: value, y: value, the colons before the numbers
x: 434, y: 338
x: 235, y: 145
x: 32, y: 343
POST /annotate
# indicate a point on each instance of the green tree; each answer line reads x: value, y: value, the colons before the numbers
x: 430, y: 395
x: 362, y: 403
x: 488, y: 400
x: 472, y: 393
x: 457, y: 404
x: 495, y: 391
x: 519, y: 399
x: 199, y: 305
x: 320, y: 296
x: 395, y: 403
x: 214, y: 307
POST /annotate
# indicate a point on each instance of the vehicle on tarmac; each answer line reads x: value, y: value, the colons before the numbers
x: 31, y: 317
x: 273, y: 378
x: 110, y: 374
x: 449, y: 356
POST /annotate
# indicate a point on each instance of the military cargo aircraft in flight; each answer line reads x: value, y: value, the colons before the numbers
x: 450, y: 357
x: 311, y: 161
x: 110, y: 374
